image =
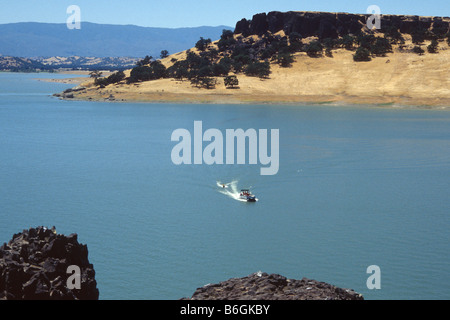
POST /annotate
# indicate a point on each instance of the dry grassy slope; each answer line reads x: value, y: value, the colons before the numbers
x: 399, y: 78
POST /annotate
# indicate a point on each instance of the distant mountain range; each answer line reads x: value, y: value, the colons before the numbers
x: 18, y: 64
x: 32, y: 40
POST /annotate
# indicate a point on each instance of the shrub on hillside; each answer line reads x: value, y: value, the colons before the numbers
x: 179, y: 70
x: 164, y: 54
x: 329, y: 45
x: 156, y: 70
x: 258, y: 69
x: 314, y: 49
x: 231, y: 82
x: 113, y: 78
x: 433, y: 47
x: 418, y: 50
x: 347, y: 42
x: 393, y: 35
x: 381, y: 46
x: 202, y: 44
x: 144, y: 62
x: 440, y: 29
x: 295, y: 42
x: 362, y: 54
x: 226, y: 40
x: 418, y: 35
x: 285, y: 59
x: 204, y: 82
x: 365, y: 40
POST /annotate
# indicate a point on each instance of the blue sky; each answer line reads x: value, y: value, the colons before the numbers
x: 185, y: 13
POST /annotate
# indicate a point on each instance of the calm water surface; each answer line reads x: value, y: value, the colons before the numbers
x: 356, y: 187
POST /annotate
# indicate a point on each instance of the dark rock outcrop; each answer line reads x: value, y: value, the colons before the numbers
x: 332, y: 25
x: 262, y: 286
x: 33, y: 266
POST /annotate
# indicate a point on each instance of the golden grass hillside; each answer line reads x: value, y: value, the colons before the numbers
x: 400, y: 78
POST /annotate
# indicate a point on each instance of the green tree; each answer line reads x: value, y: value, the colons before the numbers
x: 202, y: 44
x: 282, y: 46
x: 208, y: 83
x: 144, y: 62
x: 164, y: 54
x: 314, y: 49
x: 116, y: 77
x: 204, y: 82
x: 140, y: 73
x: 285, y: 60
x: 95, y: 74
x: 238, y: 66
x: 440, y: 29
x: 243, y: 58
x: 193, y: 60
x: 393, y: 35
x: 231, y: 82
x: 258, y: 69
x: 156, y: 70
x: 418, y: 35
x: 347, y: 42
x: 226, y: 40
x: 205, y: 71
x: 179, y: 70
x: 295, y: 42
x: 362, y: 54
x: 433, y: 47
x: 329, y: 45
x: 210, y: 54
x: 418, y: 50
x: 227, y: 62
x: 381, y: 46
x: 268, y: 53
x: 113, y: 78
x: 220, y: 69
x: 365, y: 40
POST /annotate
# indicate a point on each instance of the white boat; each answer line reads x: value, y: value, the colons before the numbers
x: 247, y: 196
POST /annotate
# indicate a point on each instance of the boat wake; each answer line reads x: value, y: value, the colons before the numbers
x: 231, y: 190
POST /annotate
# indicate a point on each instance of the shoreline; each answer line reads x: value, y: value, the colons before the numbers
x: 76, y: 81
x: 71, y: 80
x: 398, y: 80
x: 213, y: 99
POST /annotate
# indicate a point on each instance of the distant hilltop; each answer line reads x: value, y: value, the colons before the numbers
x: 334, y: 25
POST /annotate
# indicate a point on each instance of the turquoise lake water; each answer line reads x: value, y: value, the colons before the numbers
x: 357, y: 186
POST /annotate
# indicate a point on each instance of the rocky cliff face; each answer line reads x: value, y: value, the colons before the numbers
x: 332, y: 25
x: 33, y: 265
x: 262, y: 286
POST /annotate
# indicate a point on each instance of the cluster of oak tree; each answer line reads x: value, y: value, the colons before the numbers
x: 232, y: 55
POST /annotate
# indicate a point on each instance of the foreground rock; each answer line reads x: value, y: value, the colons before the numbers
x: 33, y: 265
x: 262, y: 286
